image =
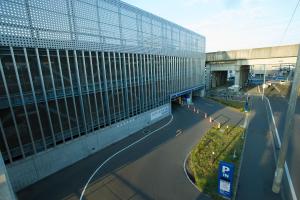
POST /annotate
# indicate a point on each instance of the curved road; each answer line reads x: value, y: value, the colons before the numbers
x: 151, y: 169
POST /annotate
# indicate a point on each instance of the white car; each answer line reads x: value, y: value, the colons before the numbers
x: 282, y: 82
x: 234, y: 88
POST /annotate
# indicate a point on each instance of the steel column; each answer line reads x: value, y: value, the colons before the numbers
x: 72, y: 90
x: 45, y: 95
x: 11, y: 110
x: 22, y: 98
x: 63, y: 88
x: 55, y: 95
x: 34, y: 98
x: 87, y: 90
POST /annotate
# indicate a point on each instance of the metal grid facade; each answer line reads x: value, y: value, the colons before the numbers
x: 93, y: 25
x: 70, y: 67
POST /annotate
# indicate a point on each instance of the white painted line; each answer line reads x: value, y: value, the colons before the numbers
x: 184, y: 168
x: 290, y: 181
x: 120, y: 151
x: 272, y: 115
x: 245, y: 122
x: 276, y: 88
x: 178, y: 132
x: 287, y: 172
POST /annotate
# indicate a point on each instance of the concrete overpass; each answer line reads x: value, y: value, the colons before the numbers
x: 239, y: 63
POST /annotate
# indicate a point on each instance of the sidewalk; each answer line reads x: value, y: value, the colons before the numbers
x: 258, y: 164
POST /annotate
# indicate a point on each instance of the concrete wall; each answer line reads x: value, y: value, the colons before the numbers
x: 6, y: 192
x: 25, y: 172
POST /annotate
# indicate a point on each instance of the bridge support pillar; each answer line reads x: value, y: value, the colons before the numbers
x: 237, y: 79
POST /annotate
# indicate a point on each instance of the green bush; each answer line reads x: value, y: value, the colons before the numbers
x: 215, y: 146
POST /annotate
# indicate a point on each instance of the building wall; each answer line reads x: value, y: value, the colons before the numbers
x: 73, y: 69
x: 6, y: 191
x: 29, y: 170
x: 49, y: 96
x: 94, y: 25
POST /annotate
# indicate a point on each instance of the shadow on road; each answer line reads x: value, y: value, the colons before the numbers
x: 110, y: 182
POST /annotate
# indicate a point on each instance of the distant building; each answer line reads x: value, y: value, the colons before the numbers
x: 79, y: 75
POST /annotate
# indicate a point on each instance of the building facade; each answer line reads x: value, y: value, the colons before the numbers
x: 74, y: 68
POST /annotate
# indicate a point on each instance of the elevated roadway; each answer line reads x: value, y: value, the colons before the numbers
x: 242, y: 62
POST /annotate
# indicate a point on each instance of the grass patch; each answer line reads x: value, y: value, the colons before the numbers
x: 203, y: 163
x: 234, y: 104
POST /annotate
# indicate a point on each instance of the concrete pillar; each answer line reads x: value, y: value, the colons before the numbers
x: 6, y: 192
x: 237, y: 79
x: 213, y: 80
x: 202, y: 93
x: 208, y: 76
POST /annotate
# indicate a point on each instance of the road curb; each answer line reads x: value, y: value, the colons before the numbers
x: 242, y: 156
x: 188, y: 177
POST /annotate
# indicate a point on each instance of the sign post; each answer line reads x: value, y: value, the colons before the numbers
x: 246, y: 107
x: 225, y: 179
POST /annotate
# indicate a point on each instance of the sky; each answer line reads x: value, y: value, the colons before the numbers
x: 231, y: 24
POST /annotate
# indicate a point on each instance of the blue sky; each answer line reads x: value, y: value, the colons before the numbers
x: 231, y: 24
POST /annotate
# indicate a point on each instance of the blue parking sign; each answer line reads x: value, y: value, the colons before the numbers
x: 225, y: 179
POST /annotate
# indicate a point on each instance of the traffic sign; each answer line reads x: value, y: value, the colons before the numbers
x: 225, y: 179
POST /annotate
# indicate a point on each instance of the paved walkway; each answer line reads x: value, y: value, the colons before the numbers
x: 258, y: 165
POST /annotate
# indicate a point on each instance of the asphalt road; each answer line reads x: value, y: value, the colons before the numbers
x: 279, y: 106
x: 258, y: 164
x: 151, y: 169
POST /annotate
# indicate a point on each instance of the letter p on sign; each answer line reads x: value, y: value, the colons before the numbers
x: 225, y: 169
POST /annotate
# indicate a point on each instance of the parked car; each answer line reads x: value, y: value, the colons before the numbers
x: 282, y: 82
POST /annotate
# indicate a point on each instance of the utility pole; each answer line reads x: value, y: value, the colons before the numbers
x: 289, y: 122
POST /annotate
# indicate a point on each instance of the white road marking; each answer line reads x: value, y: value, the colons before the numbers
x: 273, y: 119
x: 184, y: 168
x: 245, y: 125
x: 286, y: 169
x: 276, y: 88
x: 178, y: 132
x: 290, y: 181
x: 120, y: 151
